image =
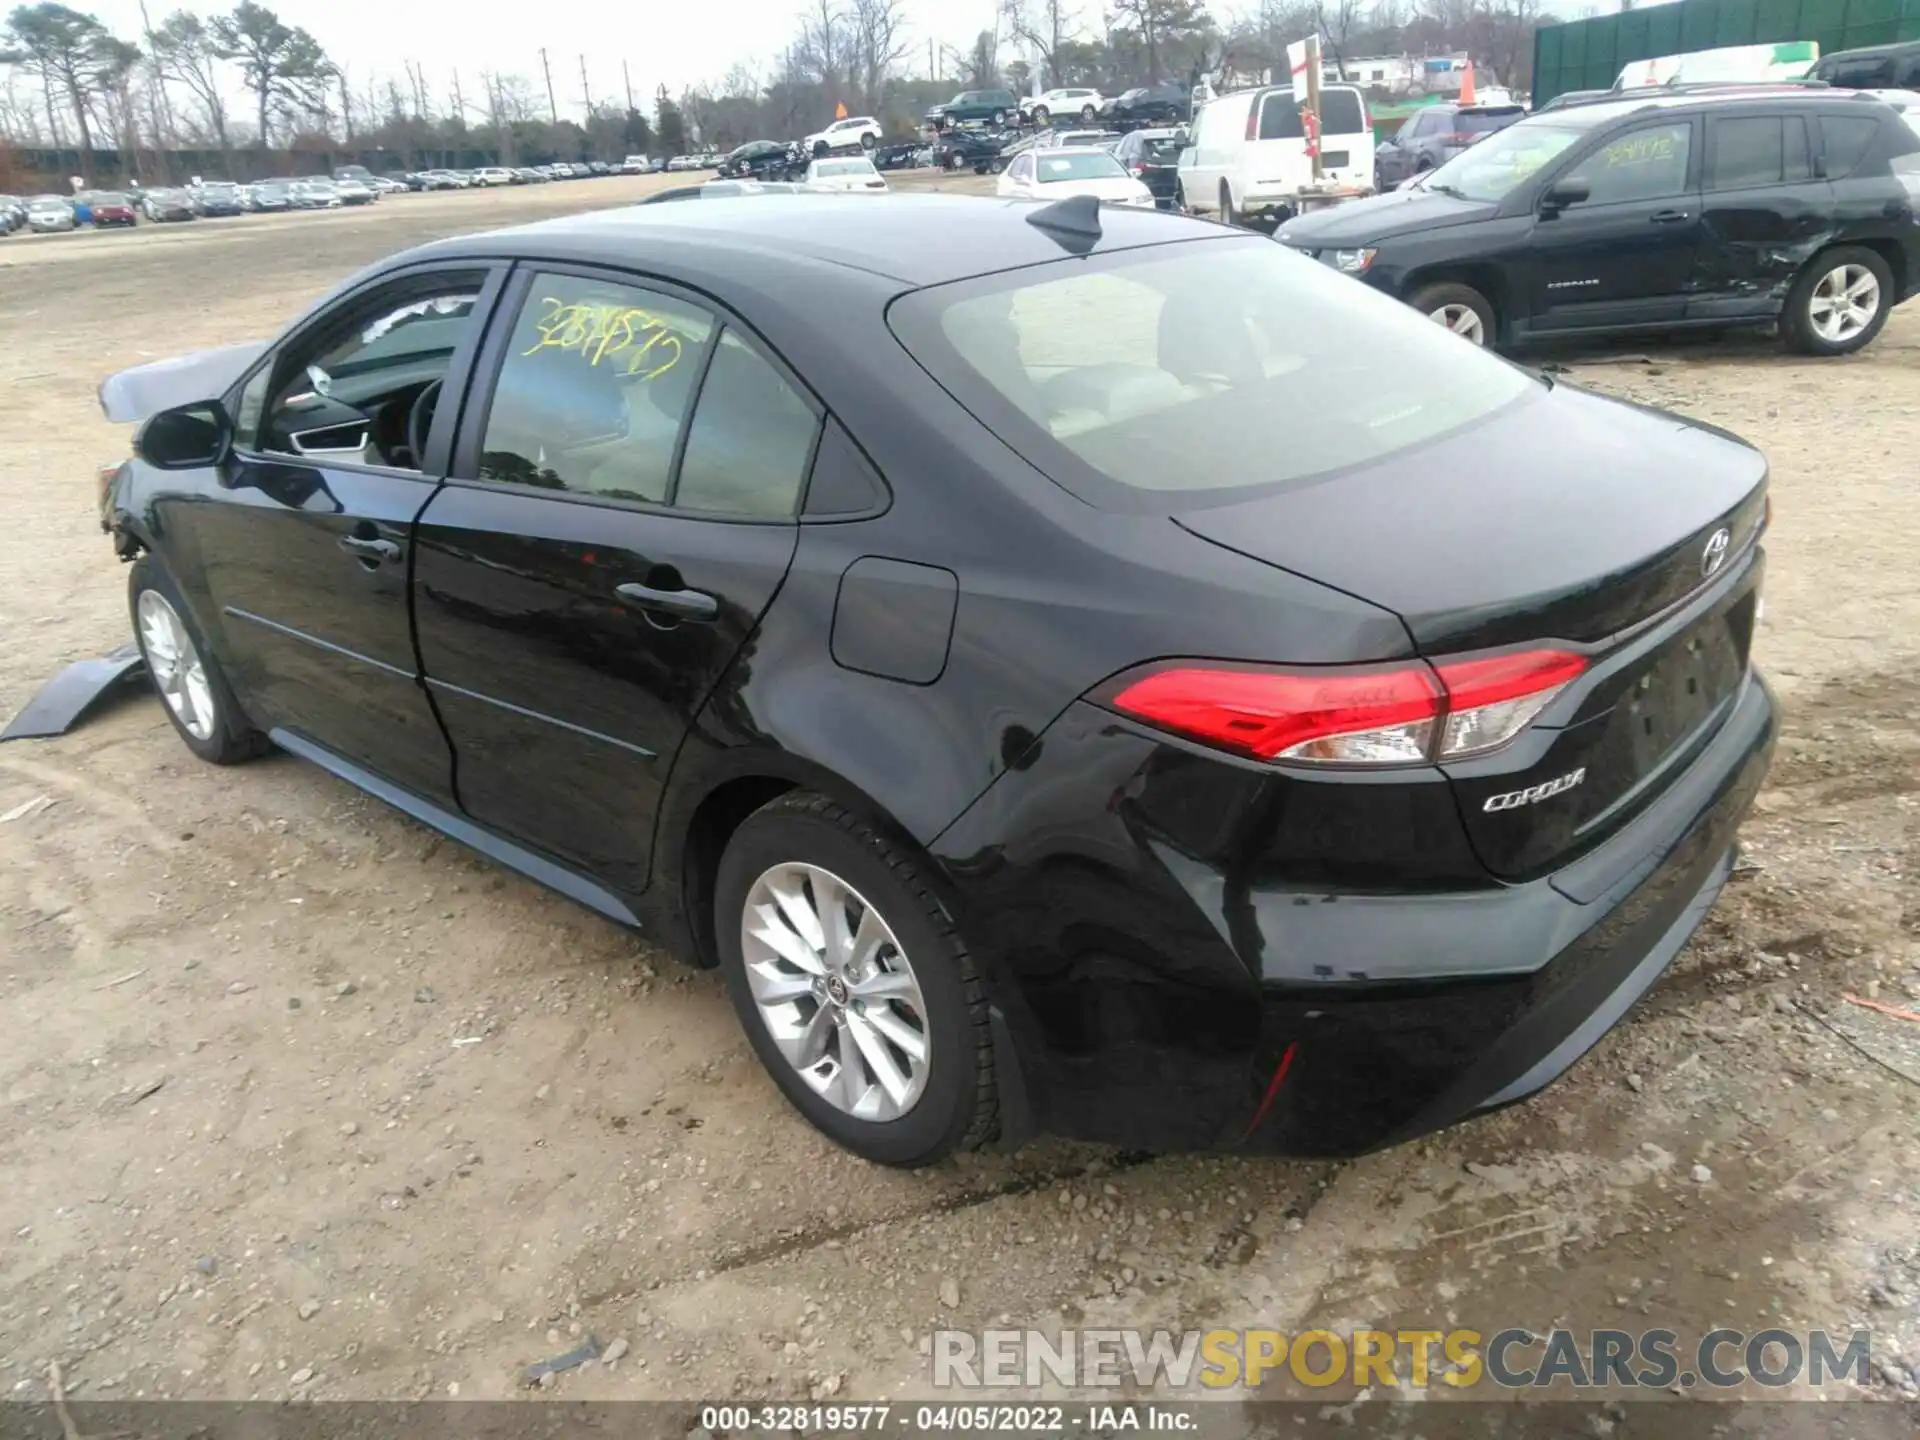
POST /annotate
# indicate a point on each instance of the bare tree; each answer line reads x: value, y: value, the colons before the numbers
x: 1046, y: 25
x: 880, y: 44
x: 1335, y: 20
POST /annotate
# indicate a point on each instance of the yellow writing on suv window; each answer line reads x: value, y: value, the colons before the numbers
x: 641, y: 343
x: 1644, y: 149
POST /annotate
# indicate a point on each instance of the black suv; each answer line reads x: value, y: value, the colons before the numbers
x: 1167, y: 104
x: 1786, y: 206
x: 996, y: 107
x: 758, y: 160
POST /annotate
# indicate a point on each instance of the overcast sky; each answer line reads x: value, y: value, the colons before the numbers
x: 676, y: 43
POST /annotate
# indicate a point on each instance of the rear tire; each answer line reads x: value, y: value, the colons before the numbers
x: 1462, y: 309
x: 1229, y: 215
x: 1839, y: 303
x: 1041, y: 116
x: 192, y: 688
x: 867, y: 142
x: 798, y: 872
x: 999, y: 118
x: 1086, y: 113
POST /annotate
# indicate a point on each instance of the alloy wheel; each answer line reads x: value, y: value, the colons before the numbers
x: 1463, y: 320
x: 835, y: 991
x: 1843, y: 303
x: 178, y: 671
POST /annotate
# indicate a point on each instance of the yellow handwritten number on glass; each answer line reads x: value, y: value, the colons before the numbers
x: 643, y: 342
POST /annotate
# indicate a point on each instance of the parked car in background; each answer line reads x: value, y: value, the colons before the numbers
x: 111, y: 208
x: 354, y: 172
x: 1058, y: 174
x: 1701, y: 209
x: 1167, y: 104
x: 904, y: 155
x: 968, y: 148
x: 1153, y: 158
x: 443, y: 180
x: 49, y: 213
x: 853, y: 173
x: 992, y: 107
x: 1873, y: 67
x: 1281, y: 798
x: 493, y: 175
x: 354, y: 192
x: 13, y: 214
x: 1248, y: 159
x: 218, y: 198
x: 859, y: 132
x: 271, y: 196
x: 1433, y: 136
x: 167, y: 204
x: 1080, y: 103
x: 758, y: 160
x: 636, y: 165
x: 311, y: 194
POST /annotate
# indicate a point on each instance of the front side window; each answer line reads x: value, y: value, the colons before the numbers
x: 597, y: 378
x: 1649, y: 163
x: 1160, y: 377
x: 364, y: 390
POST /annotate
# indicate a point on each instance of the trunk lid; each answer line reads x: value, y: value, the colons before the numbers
x: 1631, y: 541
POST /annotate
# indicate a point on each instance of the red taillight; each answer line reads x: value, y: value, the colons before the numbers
x: 1353, y: 715
x: 1137, y: 167
x: 1253, y: 121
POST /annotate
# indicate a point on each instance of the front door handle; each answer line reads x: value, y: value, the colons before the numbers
x: 680, y: 604
x: 1669, y: 217
x: 370, y: 549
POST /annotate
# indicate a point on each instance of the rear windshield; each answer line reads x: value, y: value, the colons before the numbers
x: 1160, y: 152
x: 842, y: 167
x: 1482, y: 122
x: 1076, y: 165
x: 1177, y: 376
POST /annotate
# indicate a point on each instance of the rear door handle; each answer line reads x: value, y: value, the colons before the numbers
x: 681, y: 604
x: 370, y: 549
x: 1669, y: 217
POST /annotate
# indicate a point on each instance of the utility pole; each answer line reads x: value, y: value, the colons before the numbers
x: 459, y: 101
x: 933, y: 62
x: 553, y: 110
x: 586, y: 90
x: 627, y: 80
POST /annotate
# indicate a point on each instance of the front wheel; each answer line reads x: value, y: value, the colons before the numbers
x: 855, y: 990
x: 191, y: 686
x: 1229, y: 215
x: 999, y: 117
x: 1461, y: 308
x: 1839, y: 302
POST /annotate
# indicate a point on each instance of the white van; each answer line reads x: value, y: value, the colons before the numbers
x: 1249, y: 156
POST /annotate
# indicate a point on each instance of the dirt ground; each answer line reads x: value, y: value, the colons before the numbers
x: 299, y: 1100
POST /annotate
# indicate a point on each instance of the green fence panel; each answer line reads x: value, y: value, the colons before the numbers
x: 1588, y: 54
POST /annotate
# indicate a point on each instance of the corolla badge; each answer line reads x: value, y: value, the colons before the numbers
x: 1514, y: 799
x: 1715, y: 555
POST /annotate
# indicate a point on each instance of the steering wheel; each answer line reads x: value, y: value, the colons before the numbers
x: 420, y: 422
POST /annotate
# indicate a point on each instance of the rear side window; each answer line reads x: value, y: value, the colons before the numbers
x: 1843, y: 140
x: 1280, y: 117
x: 1745, y: 152
x: 596, y: 381
x: 1159, y: 378
x: 1341, y: 113
x: 751, y: 439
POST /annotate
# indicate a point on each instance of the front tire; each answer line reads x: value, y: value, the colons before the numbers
x: 1229, y: 215
x: 1839, y: 303
x: 854, y: 989
x: 193, y: 690
x: 1462, y: 309
x: 999, y: 118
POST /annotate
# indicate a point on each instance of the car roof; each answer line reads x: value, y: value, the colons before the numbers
x: 925, y: 239
x: 1600, y: 112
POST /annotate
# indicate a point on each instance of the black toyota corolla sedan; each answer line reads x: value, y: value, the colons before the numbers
x: 1072, y: 669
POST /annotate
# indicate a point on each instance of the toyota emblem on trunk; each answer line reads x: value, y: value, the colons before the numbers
x: 1715, y: 555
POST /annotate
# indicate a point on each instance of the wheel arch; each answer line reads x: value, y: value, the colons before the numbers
x: 1487, y: 279
x: 1888, y: 250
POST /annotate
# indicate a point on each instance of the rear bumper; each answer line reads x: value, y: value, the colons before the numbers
x: 1152, y: 999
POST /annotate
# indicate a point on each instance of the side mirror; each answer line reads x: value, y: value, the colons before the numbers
x: 1563, y: 193
x: 188, y: 437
